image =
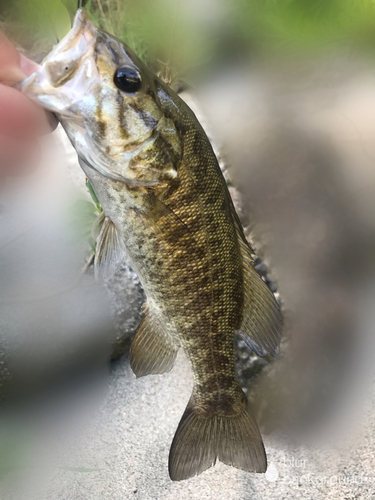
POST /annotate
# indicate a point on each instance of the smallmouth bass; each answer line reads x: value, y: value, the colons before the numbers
x: 165, y: 200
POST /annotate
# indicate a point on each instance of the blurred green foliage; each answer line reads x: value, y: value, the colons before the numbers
x: 83, y: 215
x: 284, y: 26
x: 48, y: 18
x: 164, y: 33
x: 175, y: 38
x: 94, y: 198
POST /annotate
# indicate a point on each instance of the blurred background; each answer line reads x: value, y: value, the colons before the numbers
x: 286, y: 92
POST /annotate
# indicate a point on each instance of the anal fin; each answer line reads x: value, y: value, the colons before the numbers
x: 153, y: 350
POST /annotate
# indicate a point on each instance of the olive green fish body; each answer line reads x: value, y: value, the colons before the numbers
x: 165, y: 201
x: 183, y: 244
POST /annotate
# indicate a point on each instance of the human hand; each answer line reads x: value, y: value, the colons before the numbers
x: 21, y: 120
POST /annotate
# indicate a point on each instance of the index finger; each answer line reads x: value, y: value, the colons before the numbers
x: 10, y: 61
x: 19, y: 116
x: 28, y: 66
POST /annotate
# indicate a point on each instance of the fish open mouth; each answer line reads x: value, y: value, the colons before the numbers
x: 46, y: 85
x: 81, y: 19
x: 83, y: 29
x: 66, y: 83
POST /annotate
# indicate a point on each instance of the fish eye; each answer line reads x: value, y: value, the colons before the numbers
x: 127, y: 79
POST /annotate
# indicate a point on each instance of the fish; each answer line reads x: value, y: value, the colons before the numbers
x: 166, y: 204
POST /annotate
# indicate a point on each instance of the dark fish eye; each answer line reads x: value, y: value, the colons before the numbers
x: 127, y: 79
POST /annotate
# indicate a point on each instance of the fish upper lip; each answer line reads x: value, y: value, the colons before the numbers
x: 81, y: 19
x: 82, y: 26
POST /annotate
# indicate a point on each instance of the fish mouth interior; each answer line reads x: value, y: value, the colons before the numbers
x: 45, y: 86
x: 82, y: 27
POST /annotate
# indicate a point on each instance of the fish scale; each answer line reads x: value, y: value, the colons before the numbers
x: 166, y: 202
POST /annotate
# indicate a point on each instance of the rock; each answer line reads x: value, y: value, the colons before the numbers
x: 126, y: 297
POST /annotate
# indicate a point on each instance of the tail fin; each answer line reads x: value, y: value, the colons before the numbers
x: 200, y: 439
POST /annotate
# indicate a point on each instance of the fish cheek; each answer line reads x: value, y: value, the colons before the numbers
x: 159, y: 162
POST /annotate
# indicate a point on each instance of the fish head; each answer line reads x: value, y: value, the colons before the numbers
x: 109, y: 103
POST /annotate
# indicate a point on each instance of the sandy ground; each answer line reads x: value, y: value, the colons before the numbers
x: 129, y: 437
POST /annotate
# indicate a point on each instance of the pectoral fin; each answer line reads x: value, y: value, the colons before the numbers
x: 153, y: 350
x: 109, y: 249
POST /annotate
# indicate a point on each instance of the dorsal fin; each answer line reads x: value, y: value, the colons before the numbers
x: 109, y: 249
x: 261, y: 320
x: 153, y: 350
